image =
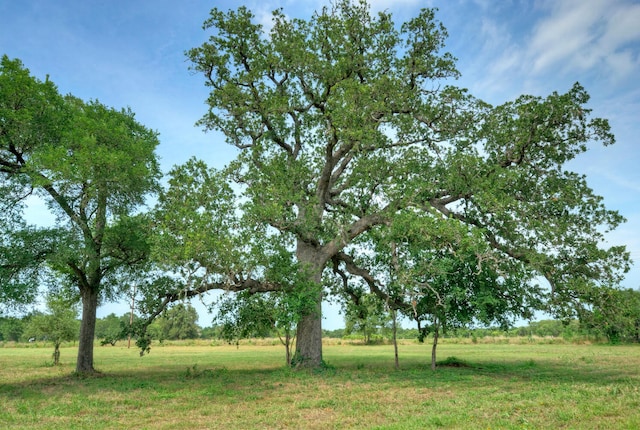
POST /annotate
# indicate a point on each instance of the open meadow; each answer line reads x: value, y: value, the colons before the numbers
x: 206, y: 386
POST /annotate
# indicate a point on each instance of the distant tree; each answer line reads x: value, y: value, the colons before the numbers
x: 365, y: 314
x: 615, y: 314
x: 544, y: 328
x: 337, y: 333
x: 179, y: 322
x: 94, y: 166
x: 58, y: 324
x: 112, y: 328
x: 211, y: 332
x: 11, y: 328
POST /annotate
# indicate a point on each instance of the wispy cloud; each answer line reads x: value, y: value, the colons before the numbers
x: 579, y: 35
x: 570, y: 40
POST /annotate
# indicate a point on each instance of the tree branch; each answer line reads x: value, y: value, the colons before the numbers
x: 354, y: 269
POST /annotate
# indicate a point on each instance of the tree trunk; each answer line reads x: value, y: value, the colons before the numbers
x: 436, y: 333
x: 309, y: 339
x: 56, y: 353
x: 287, y: 347
x: 309, y: 332
x: 394, y: 314
x: 87, y: 330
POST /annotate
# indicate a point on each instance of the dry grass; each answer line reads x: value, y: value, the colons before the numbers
x: 198, y: 386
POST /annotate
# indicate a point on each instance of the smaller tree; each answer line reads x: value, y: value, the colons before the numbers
x: 112, y: 328
x: 449, y: 275
x: 94, y: 166
x: 11, y: 328
x: 615, y: 314
x: 59, y: 325
x: 179, y: 322
x: 365, y: 314
x: 245, y: 314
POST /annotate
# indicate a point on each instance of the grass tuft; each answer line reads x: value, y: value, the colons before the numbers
x: 452, y: 362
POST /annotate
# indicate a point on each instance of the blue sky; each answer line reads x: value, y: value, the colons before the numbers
x: 131, y: 53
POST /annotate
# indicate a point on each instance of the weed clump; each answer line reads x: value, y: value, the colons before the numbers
x: 452, y: 362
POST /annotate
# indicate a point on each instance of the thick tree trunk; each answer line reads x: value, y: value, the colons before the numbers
x: 309, y: 333
x: 87, y: 330
x: 309, y: 343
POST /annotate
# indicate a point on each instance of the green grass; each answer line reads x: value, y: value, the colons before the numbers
x: 477, y: 386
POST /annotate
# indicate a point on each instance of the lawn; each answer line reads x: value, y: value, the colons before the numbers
x: 199, y: 386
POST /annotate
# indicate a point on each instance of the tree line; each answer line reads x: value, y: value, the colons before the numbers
x: 363, y: 175
x: 60, y: 324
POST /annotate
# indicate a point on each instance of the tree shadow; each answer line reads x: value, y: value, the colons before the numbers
x: 220, y: 379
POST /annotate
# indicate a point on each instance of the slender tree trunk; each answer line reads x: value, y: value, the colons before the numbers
x: 436, y: 333
x: 87, y: 330
x: 309, y: 332
x: 133, y: 307
x: 288, y: 347
x: 394, y: 314
x: 56, y: 353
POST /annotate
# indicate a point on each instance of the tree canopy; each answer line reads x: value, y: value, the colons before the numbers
x: 349, y: 126
x: 93, y: 166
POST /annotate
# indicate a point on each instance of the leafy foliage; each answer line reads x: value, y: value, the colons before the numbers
x: 615, y: 314
x: 365, y: 314
x: 179, y: 322
x: 246, y: 315
x: 112, y: 328
x: 23, y: 257
x: 93, y: 166
x: 349, y: 132
x: 58, y: 325
x: 11, y: 328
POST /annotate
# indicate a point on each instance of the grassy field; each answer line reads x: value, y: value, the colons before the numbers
x: 199, y: 386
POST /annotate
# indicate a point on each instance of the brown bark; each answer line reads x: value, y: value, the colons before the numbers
x: 84, y: 363
x: 394, y: 314
x: 56, y: 354
x: 436, y: 334
x: 309, y: 333
x: 309, y: 344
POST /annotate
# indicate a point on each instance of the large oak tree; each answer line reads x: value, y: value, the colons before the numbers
x: 346, y: 121
x: 94, y: 166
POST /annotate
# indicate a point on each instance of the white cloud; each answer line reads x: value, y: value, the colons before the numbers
x: 595, y: 41
x: 623, y: 26
x: 581, y: 35
x: 566, y: 33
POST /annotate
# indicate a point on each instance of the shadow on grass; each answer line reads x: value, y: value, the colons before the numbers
x: 222, y: 379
